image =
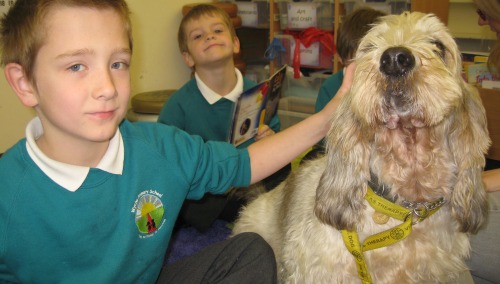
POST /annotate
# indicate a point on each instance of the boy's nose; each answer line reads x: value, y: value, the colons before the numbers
x: 482, y: 22
x: 105, y: 88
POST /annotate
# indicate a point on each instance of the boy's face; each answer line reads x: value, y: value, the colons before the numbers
x: 209, y: 42
x: 494, y: 25
x: 82, y: 75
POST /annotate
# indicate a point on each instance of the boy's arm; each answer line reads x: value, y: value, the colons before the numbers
x: 172, y: 113
x: 271, y: 154
x: 491, y: 179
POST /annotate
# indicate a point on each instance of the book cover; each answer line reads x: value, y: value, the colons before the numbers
x: 476, y: 72
x: 490, y: 84
x: 256, y: 107
x: 480, y: 59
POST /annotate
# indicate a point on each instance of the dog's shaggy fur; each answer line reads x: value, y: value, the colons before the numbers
x: 413, y: 125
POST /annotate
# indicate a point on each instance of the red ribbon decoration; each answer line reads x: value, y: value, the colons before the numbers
x: 308, y: 37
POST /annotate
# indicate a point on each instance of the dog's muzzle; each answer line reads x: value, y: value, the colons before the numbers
x: 396, y: 61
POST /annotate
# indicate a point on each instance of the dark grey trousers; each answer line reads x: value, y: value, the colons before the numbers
x: 484, y: 261
x: 244, y: 258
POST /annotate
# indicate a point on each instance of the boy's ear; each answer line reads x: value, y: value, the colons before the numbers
x: 188, y: 59
x: 22, y: 86
x: 236, y: 45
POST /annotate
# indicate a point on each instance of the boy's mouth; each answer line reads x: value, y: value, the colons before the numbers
x: 212, y: 45
x: 103, y: 114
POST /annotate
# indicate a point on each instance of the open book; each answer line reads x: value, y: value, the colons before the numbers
x: 256, y: 107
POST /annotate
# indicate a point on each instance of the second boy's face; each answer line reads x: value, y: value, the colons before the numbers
x: 82, y: 75
x: 487, y: 20
x: 209, y: 42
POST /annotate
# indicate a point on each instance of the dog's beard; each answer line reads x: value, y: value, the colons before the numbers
x: 399, y: 105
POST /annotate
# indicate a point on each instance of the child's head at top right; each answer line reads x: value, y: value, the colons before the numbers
x: 353, y: 28
x: 24, y: 28
x: 196, y: 13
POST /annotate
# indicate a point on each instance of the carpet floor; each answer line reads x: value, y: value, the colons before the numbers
x: 188, y: 241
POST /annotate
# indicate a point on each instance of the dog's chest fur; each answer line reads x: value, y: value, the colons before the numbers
x: 407, y: 159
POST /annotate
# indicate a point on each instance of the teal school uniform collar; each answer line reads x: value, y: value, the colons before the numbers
x: 71, y: 177
x: 212, y: 97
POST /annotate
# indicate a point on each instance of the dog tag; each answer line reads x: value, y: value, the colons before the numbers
x: 380, y: 218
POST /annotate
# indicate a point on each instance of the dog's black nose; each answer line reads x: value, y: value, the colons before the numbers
x: 396, y: 61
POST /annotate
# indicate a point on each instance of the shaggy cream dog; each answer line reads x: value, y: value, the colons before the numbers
x: 400, y: 188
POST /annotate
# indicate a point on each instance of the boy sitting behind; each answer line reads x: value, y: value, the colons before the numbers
x: 87, y: 196
x: 205, y: 105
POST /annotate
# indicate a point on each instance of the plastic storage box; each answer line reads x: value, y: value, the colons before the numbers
x: 254, y: 14
x: 386, y: 6
x: 292, y: 110
x: 299, y: 97
x: 306, y: 14
x: 313, y: 56
x: 257, y: 73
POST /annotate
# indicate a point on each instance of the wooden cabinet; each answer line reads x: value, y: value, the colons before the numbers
x: 439, y: 8
x: 491, y: 102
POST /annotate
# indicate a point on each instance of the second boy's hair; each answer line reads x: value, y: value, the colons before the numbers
x: 23, y: 29
x: 353, y: 28
x: 194, y: 14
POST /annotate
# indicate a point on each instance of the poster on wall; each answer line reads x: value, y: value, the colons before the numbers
x: 5, y: 6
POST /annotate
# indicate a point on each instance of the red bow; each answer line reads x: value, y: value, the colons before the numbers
x: 308, y: 37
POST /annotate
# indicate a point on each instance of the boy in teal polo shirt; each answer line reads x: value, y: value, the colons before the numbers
x: 205, y: 105
x: 88, y: 197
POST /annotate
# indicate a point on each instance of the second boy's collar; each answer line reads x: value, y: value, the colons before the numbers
x: 71, y: 177
x: 212, y: 97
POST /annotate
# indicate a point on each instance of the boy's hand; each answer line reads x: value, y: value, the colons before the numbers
x: 264, y: 131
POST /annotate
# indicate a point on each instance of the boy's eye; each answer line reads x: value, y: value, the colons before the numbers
x: 119, y: 65
x: 196, y: 36
x: 76, y: 67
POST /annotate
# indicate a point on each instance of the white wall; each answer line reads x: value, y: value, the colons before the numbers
x: 156, y: 62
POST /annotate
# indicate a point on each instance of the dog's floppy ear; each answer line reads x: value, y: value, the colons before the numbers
x: 469, y: 141
x: 342, y: 187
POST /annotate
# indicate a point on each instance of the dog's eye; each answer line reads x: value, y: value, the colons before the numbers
x: 440, y: 48
x: 367, y: 48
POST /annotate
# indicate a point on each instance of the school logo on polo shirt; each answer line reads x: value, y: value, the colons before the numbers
x: 149, y: 211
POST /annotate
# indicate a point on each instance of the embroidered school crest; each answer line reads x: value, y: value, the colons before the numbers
x: 149, y: 211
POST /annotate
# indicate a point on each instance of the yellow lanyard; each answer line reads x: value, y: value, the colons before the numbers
x: 387, y: 237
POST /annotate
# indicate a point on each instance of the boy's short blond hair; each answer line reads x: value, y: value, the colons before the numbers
x: 23, y: 30
x: 195, y: 13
